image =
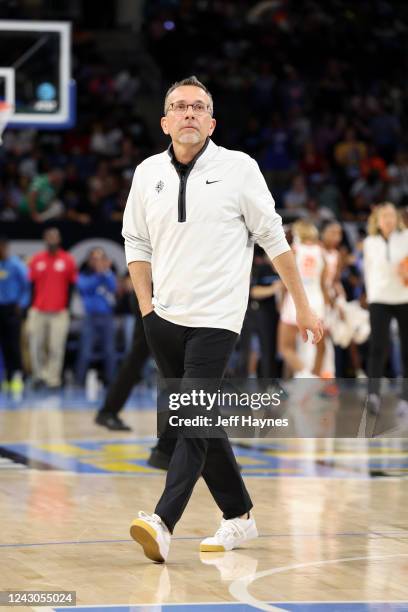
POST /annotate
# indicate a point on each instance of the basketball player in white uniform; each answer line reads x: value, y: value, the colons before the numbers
x: 331, y: 237
x: 312, y: 268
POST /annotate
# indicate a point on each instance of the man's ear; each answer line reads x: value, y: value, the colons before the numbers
x: 163, y: 123
x: 212, y: 126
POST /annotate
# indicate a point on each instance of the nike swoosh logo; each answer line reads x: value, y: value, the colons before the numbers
x: 211, y: 182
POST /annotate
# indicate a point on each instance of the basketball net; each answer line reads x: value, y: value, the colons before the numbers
x: 6, y: 111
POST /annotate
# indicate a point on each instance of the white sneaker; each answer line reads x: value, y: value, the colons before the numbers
x: 231, y: 534
x: 152, y: 534
x: 305, y: 373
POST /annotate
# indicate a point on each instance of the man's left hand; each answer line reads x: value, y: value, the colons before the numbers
x: 310, y: 321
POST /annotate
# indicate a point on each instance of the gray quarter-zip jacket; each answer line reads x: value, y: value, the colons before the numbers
x: 197, y: 225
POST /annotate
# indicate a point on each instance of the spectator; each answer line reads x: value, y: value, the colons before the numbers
x: 295, y: 199
x: 327, y: 133
x: 106, y: 139
x: 311, y: 163
x: 385, y: 129
x: 328, y: 196
x: 98, y: 141
x: 315, y: 214
x: 97, y: 286
x: 332, y: 86
x: 300, y: 129
x: 52, y: 273
x: 269, y: 66
x: 366, y: 192
x: 275, y: 158
x: 128, y: 158
x: 100, y: 199
x: 115, y: 206
x: 263, y: 90
x: 251, y: 138
x: 348, y: 154
x: 398, y: 180
x: 386, y: 278
x: 73, y: 192
x: 293, y: 89
x: 40, y: 202
x: 373, y: 161
x: 14, y: 294
x: 126, y: 85
x: 12, y: 188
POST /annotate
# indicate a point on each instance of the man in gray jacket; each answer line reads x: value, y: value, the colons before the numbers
x: 192, y: 217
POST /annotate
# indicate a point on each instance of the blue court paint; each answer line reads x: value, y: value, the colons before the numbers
x: 102, y: 457
x: 56, y: 460
x: 237, y: 607
x: 141, y: 399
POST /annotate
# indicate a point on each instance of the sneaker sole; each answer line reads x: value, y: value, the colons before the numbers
x: 146, y: 536
x: 252, y: 535
x: 212, y: 548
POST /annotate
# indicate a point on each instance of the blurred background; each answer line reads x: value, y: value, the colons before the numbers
x: 315, y: 92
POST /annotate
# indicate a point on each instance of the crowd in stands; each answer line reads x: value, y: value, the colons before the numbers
x: 40, y: 299
x: 38, y: 310
x: 311, y: 90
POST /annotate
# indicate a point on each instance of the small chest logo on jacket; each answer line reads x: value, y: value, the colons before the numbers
x: 159, y: 186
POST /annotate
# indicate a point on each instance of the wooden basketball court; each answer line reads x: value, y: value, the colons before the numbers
x: 332, y: 516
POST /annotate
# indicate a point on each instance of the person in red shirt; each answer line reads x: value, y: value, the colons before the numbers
x: 373, y: 162
x: 52, y: 273
x: 311, y: 163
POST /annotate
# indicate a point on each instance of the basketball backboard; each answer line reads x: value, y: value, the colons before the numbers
x: 35, y: 73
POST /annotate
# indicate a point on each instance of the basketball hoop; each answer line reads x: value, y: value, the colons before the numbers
x: 6, y: 111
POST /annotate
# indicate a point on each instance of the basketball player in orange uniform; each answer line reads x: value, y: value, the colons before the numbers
x: 312, y: 268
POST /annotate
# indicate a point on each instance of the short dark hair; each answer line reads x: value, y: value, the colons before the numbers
x: 191, y: 80
x: 94, y: 250
x: 50, y: 228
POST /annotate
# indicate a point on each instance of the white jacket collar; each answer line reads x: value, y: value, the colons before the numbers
x: 208, y: 151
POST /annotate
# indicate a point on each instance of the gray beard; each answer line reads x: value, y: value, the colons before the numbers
x: 190, y: 138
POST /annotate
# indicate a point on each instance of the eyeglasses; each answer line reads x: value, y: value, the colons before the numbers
x: 180, y: 108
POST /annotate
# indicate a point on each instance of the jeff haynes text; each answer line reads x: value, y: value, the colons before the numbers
x: 231, y: 421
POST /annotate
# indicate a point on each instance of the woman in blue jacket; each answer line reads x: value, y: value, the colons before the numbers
x: 97, y: 287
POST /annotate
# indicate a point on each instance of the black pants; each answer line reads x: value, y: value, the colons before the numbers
x: 129, y: 373
x: 266, y: 327
x: 191, y: 353
x: 242, y: 367
x: 380, y: 319
x: 10, y: 326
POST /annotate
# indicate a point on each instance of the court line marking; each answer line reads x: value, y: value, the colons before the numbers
x: 375, y: 534
x: 239, y: 588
